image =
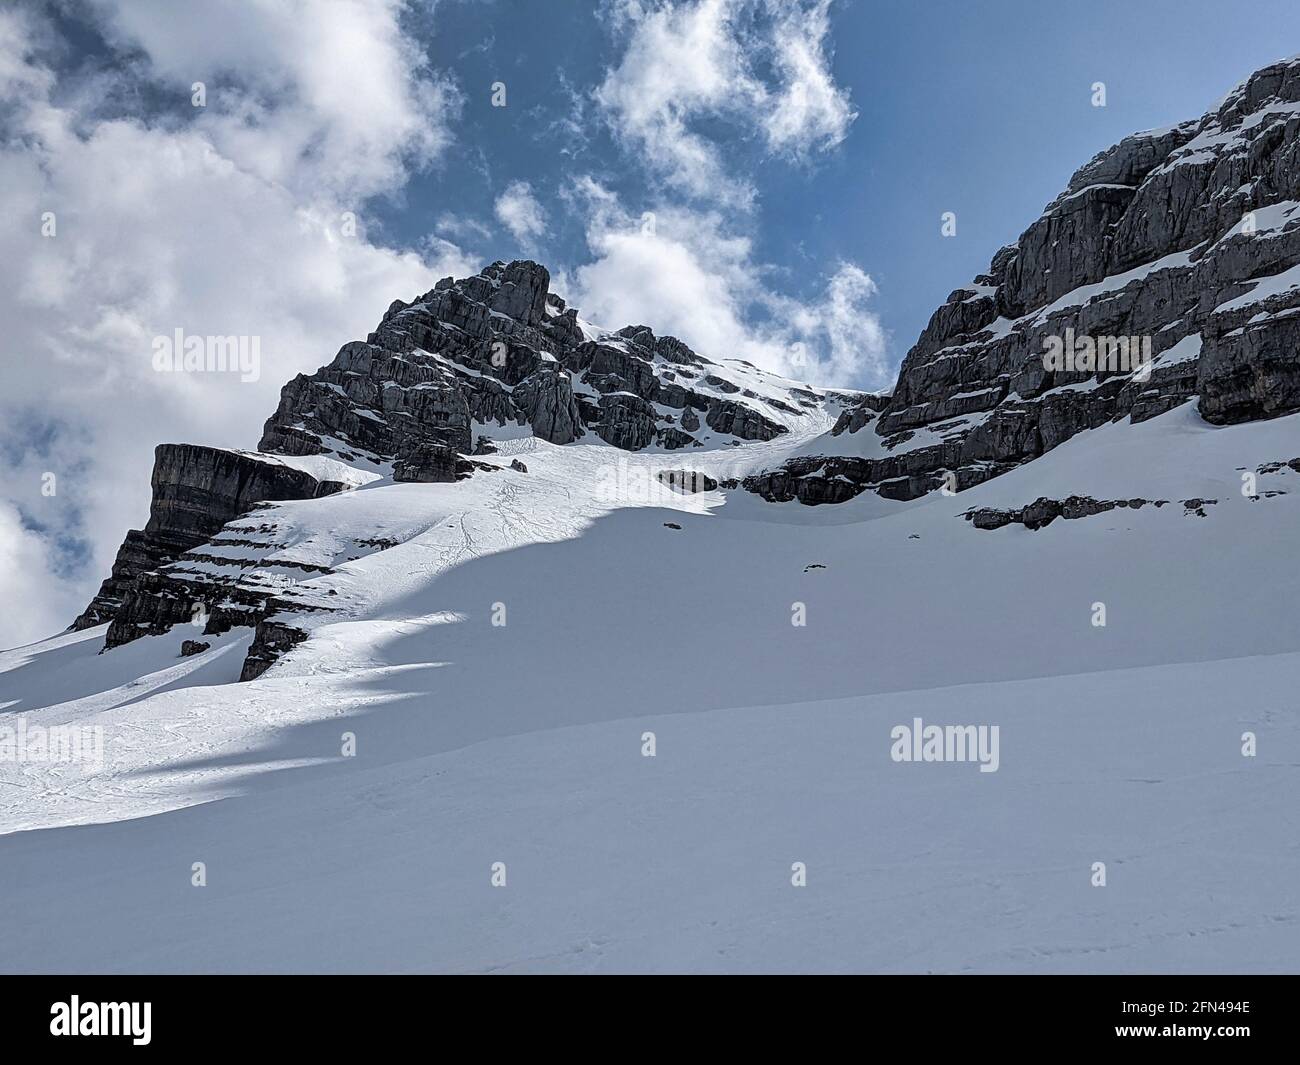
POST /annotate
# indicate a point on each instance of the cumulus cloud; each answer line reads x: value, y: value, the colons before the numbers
x: 687, y: 273
x: 244, y: 218
x: 29, y: 579
x: 325, y: 96
x: 760, y: 65
x: 518, y: 210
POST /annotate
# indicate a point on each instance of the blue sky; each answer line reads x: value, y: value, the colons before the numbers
x: 794, y: 157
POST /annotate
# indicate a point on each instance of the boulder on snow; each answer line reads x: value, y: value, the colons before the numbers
x: 688, y: 481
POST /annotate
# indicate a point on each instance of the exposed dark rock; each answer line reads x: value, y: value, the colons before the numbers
x: 731, y: 416
x: 1174, y: 238
x: 196, y: 490
x: 687, y: 481
x: 614, y: 369
x: 271, y: 640
x: 1043, y: 511
x: 545, y: 399
x: 497, y: 348
x: 626, y: 421
x: 427, y: 463
x: 1277, y: 467
x: 193, y: 647
x: 1181, y: 239
x: 1197, y: 506
x: 672, y: 438
x: 1251, y: 367
x: 860, y: 412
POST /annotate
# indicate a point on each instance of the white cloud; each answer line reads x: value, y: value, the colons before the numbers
x: 850, y: 342
x: 518, y: 210
x: 326, y: 96
x: 698, y: 80
x: 761, y: 65
x: 232, y: 223
x: 36, y: 601
x: 684, y: 273
x: 808, y: 110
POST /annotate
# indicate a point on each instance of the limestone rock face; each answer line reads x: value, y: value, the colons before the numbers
x: 418, y: 396
x: 1168, y: 269
x: 1186, y: 240
x: 427, y: 463
x: 1250, y: 367
x: 1043, y: 511
x: 545, y: 398
x: 738, y: 419
x: 500, y: 349
x: 626, y: 421
x: 271, y: 639
x: 196, y: 491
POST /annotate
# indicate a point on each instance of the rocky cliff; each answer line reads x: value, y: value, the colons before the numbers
x: 196, y: 491
x: 1179, y: 245
x: 1184, y: 242
x: 501, y: 349
x: 417, y: 400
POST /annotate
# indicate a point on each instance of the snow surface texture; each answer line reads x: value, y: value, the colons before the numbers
x: 631, y: 608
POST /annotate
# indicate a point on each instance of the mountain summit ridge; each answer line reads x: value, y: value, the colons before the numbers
x: 426, y: 398
x: 1188, y: 238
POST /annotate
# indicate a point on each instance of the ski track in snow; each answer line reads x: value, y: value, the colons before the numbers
x: 522, y: 743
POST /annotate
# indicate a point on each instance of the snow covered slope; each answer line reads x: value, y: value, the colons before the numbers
x: 522, y: 743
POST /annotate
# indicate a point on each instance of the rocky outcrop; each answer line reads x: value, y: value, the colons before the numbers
x: 420, y: 395
x: 687, y: 482
x: 427, y: 463
x: 196, y: 491
x: 738, y: 419
x: 1184, y: 242
x: 1249, y: 368
x: 500, y: 349
x: 272, y: 638
x: 1043, y: 511
x: 545, y: 398
x: 626, y: 421
x: 1167, y: 271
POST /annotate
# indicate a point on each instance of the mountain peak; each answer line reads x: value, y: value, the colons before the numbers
x: 1167, y: 267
